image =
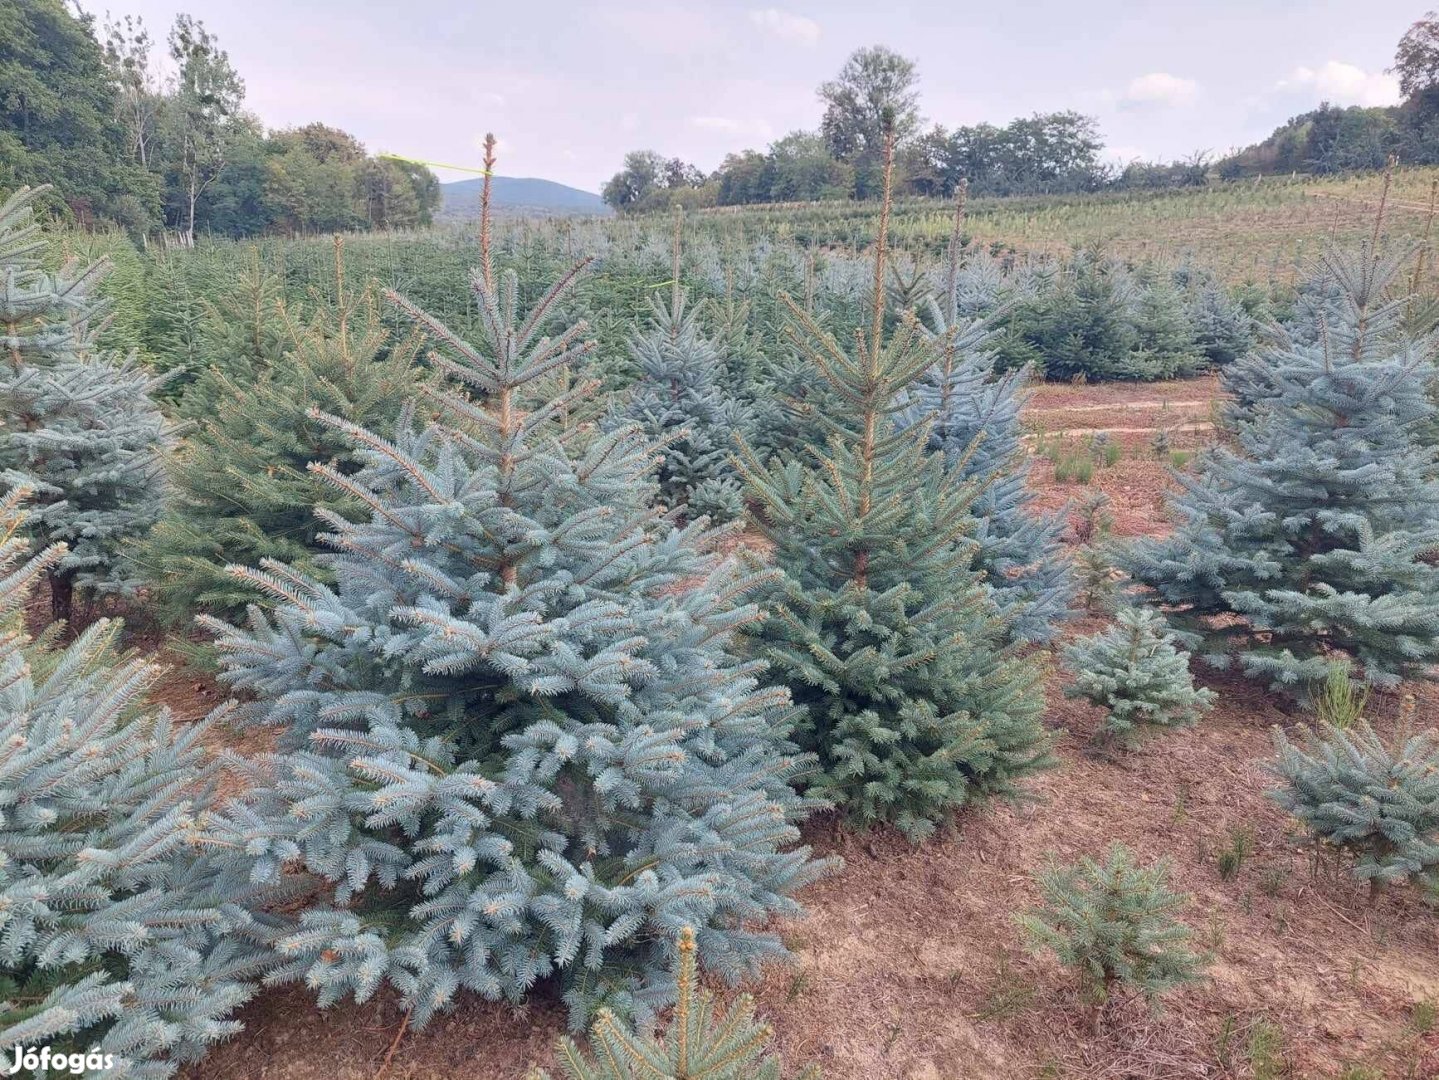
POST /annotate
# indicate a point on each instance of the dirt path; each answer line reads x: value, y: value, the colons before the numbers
x: 1200, y: 403
x: 1202, y: 425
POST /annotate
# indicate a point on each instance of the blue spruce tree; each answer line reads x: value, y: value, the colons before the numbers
x: 881, y: 627
x: 973, y: 417
x: 517, y: 743
x: 80, y: 427
x: 680, y: 401
x: 1315, y: 531
x: 118, y: 935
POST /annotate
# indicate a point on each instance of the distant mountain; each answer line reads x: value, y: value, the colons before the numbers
x: 461, y: 199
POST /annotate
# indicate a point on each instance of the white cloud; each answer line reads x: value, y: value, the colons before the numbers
x: 1343, y: 84
x: 1159, y: 88
x: 786, y: 25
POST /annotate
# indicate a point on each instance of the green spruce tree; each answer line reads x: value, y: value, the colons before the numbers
x: 1314, y: 529
x: 241, y: 487
x: 244, y: 330
x: 881, y: 626
x: 78, y: 426
x: 1082, y: 326
x: 1165, y: 340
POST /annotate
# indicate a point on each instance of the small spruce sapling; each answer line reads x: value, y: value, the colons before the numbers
x: 1375, y: 801
x: 1134, y: 670
x: 1113, y: 923
x: 704, y: 1041
x: 1092, y: 524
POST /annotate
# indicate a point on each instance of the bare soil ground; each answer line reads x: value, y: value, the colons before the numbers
x: 907, y: 965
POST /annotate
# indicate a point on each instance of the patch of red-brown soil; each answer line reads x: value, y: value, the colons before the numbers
x: 1130, y: 416
x: 1080, y: 395
x: 908, y: 966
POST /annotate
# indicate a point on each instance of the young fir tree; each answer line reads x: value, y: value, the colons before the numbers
x: 680, y: 402
x: 881, y: 626
x: 973, y: 417
x: 517, y: 743
x: 117, y: 935
x: 77, y: 426
x: 1082, y: 326
x: 1113, y: 923
x: 791, y: 405
x: 1223, y: 330
x: 1316, y: 528
x: 1134, y: 670
x: 1356, y: 794
x: 241, y: 490
x: 1165, y: 346
x: 244, y: 330
x: 703, y: 1042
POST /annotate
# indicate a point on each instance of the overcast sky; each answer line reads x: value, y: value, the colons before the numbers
x: 569, y: 86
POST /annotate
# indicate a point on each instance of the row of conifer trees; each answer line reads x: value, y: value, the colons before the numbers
x: 533, y: 722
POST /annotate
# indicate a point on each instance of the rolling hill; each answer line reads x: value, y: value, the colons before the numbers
x: 461, y: 198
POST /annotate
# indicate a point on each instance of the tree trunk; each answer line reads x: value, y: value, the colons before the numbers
x: 190, y: 228
x: 62, y: 598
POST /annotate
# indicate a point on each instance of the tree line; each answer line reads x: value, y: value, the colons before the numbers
x: 1048, y: 153
x: 1331, y: 139
x: 152, y: 135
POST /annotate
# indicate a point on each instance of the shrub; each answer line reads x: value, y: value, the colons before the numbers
x: 1377, y: 803
x: 1112, y: 922
x: 1133, y: 670
x: 1077, y: 468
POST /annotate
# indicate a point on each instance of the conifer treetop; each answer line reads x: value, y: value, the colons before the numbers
x: 872, y: 475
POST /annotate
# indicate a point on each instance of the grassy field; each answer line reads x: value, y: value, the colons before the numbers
x: 1251, y: 230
